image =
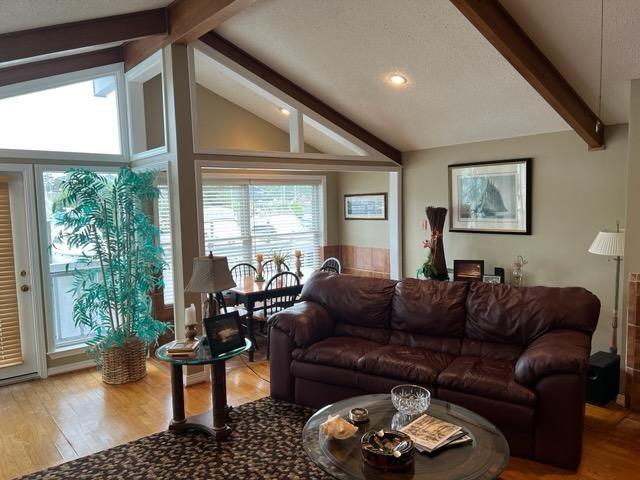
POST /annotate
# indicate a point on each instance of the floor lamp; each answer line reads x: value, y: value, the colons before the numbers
x: 611, y: 244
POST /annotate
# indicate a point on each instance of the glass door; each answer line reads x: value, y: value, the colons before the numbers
x: 18, y: 352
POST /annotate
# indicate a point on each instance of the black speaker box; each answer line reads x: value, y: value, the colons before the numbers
x: 603, y: 378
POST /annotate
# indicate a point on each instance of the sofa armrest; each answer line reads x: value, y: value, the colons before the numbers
x: 558, y: 351
x: 305, y: 323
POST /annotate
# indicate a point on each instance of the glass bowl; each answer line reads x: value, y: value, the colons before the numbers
x: 410, y: 399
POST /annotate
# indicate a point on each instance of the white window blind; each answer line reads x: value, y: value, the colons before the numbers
x: 10, y: 346
x: 164, y: 226
x: 243, y: 218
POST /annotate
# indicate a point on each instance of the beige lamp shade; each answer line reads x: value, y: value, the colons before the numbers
x: 608, y: 243
x: 210, y: 274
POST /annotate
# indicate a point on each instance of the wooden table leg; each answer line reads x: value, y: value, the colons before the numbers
x: 177, y: 395
x: 221, y: 429
x: 249, y: 306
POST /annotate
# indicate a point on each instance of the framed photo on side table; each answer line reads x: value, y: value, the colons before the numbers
x: 365, y: 206
x: 491, y: 197
x: 224, y: 333
x: 468, y: 270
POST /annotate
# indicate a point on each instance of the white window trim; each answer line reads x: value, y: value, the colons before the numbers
x: 201, y: 172
x: 134, y: 80
x: 365, y: 152
x: 54, y: 351
x: 68, y: 79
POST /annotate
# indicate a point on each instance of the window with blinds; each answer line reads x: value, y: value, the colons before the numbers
x: 10, y: 348
x: 242, y: 218
x: 163, y: 220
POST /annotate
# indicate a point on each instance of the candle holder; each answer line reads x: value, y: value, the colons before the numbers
x: 190, y: 332
x: 259, y: 277
x: 298, y: 255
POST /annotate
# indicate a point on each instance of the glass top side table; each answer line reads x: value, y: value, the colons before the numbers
x: 213, y: 423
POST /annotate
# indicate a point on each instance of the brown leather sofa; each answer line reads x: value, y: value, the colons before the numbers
x: 517, y: 356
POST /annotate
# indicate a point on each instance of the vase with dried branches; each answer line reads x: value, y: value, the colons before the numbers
x: 105, y: 218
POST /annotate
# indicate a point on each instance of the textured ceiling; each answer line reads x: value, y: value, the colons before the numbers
x: 460, y: 89
x: 23, y: 14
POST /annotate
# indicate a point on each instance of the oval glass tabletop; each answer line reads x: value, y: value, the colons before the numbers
x: 202, y: 356
x: 485, y: 458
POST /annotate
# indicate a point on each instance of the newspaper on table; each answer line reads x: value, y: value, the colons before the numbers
x: 430, y: 433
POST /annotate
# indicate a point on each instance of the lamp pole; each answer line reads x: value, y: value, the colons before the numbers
x: 614, y: 322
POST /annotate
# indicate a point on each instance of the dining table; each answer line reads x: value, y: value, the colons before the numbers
x: 250, y: 292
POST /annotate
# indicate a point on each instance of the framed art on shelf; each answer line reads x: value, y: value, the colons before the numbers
x: 365, y: 206
x: 224, y: 333
x: 491, y: 197
x: 468, y: 270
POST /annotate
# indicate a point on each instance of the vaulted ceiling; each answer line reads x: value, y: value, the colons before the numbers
x: 460, y: 88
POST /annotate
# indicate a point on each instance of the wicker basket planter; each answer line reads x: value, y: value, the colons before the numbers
x: 125, y: 364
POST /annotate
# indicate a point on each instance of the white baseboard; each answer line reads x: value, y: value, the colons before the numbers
x: 194, y: 378
x: 72, y: 367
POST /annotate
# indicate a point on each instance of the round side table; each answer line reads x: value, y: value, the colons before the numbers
x: 213, y: 423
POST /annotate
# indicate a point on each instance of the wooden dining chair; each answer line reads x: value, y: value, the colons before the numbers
x: 239, y: 272
x: 331, y: 264
x: 269, y: 269
x: 280, y: 293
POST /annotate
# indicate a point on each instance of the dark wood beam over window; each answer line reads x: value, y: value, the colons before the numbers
x: 60, y: 65
x: 494, y: 22
x: 285, y: 85
x: 188, y: 20
x: 70, y: 36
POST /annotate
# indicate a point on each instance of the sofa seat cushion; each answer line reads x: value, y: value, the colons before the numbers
x: 342, y: 352
x: 485, y: 377
x: 415, y: 365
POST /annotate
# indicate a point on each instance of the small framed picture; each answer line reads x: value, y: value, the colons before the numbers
x: 468, y: 270
x: 492, y: 279
x: 491, y: 197
x: 365, y: 206
x: 224, y: 333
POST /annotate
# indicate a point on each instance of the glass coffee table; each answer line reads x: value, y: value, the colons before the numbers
x: 485, y: 458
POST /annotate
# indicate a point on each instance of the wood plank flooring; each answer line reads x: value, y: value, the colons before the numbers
x: 46, y: 422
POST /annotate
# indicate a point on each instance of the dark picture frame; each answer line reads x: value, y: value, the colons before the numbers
x: 224, y: 333
x: 468, y: 270
x: 365, y: 206
x: 491, y: 197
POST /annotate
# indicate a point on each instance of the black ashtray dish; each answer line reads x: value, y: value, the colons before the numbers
x: 387, y: 450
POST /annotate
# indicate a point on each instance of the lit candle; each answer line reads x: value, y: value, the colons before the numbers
x: 190, y: 315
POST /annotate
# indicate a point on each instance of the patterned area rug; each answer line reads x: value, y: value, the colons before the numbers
x: 265, y: 443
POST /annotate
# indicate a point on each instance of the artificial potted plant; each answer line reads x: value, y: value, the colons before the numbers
x: 104, y: 217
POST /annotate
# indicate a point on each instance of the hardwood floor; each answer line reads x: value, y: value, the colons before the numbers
x: 46, y: 422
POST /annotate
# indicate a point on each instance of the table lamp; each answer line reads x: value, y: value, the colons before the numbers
x: 611, y: 244
x: 210, y: 275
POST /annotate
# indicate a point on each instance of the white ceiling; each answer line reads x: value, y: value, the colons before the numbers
x: 460, y: 88
x: 24, y: 14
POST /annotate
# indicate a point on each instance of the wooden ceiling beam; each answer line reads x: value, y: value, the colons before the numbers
x: 188, y: 20
x: 87, y: 33
x: 494, y: 22
x: 60, y: 65
x: 285, y: 85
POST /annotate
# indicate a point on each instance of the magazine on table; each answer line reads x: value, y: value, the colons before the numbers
x: 430, y: 433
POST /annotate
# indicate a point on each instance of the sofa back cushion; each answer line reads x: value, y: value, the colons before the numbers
x: 505, y: 314
x: 430, y: 307
x: 359, y: 301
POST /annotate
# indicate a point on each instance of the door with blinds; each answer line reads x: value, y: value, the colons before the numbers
x: 17, y: 335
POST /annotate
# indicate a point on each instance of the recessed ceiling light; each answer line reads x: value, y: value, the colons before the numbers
x: 397, y: 80
x: 284, y: 111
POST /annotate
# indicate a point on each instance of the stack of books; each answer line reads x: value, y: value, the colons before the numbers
x: 184, y: 348
x: 432, y: 435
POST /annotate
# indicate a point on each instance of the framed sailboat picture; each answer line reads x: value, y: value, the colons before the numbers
x: 491, y: 197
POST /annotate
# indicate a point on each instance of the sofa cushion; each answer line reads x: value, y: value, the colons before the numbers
x: 342, y: 352
x: 356, y: 300
x: 430, y: 308
x: 406, y: 363
x: 380, y: 335
x: 505, y: 314
x: 435, y: 344
x: 497, y: 351
x: 486, y: 377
